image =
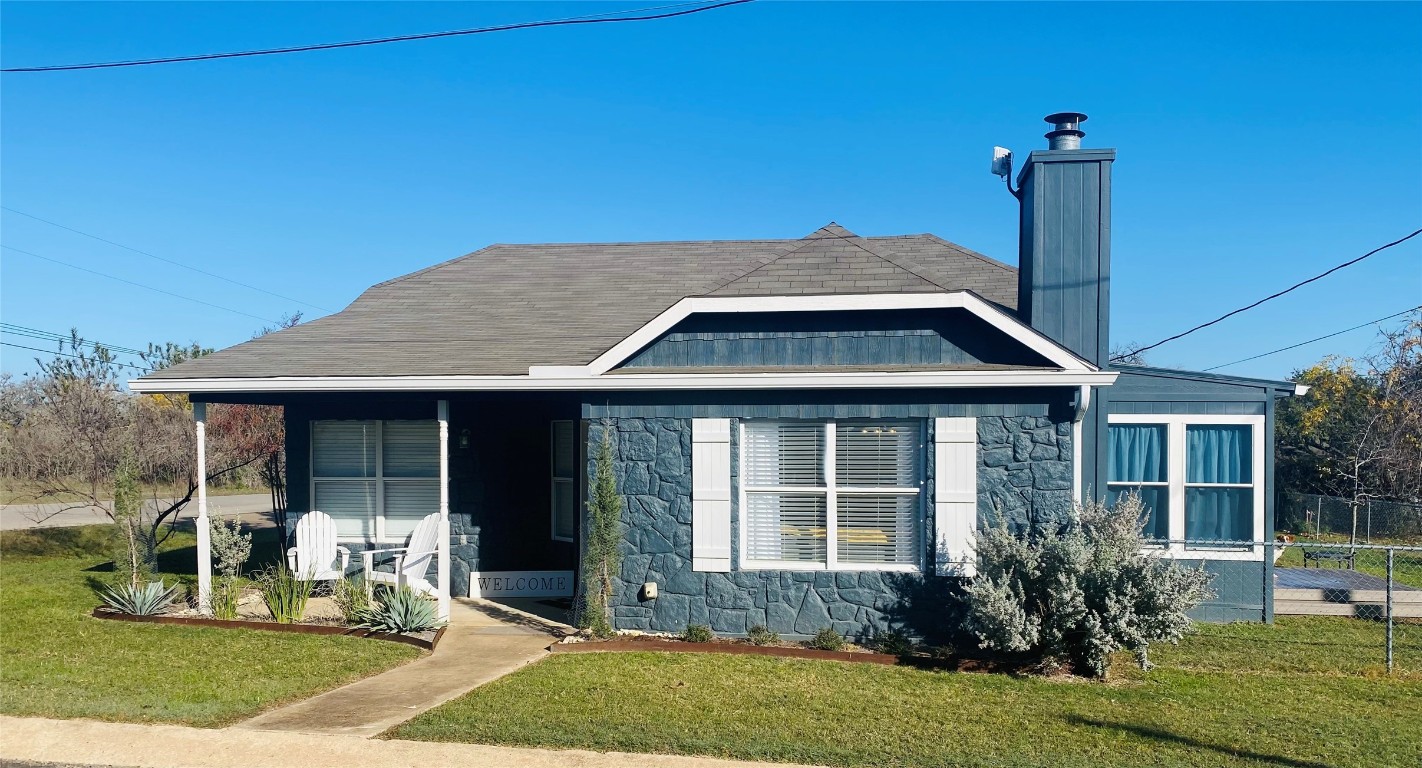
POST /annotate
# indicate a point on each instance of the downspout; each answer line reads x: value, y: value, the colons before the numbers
x: 1080, y: 407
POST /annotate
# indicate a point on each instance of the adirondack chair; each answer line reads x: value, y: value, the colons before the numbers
x: 314, y: 556
x: 410, y: 562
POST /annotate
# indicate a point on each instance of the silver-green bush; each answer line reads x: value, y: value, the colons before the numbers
x: 352, y: 597
x: 1075, y: 596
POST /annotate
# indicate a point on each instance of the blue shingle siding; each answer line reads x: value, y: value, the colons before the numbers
x: 824, y: 339
x: 820, y: 404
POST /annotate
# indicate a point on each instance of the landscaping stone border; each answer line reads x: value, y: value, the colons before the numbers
x: 271, y: 626
x: 735, y: 649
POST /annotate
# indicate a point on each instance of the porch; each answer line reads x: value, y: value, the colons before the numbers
x: 498, y: 472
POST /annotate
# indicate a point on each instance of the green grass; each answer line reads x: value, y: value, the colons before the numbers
x: 1303, y: 692
x: 14, y: 491
x: 57, y: 661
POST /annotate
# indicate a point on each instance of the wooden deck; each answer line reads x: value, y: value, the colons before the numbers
x: 1341, y: 592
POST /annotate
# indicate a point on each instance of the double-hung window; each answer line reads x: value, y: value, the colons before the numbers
x: 1199, y: 477
x: 844, y: 495
x: 565, y: 488
x: 376, y: 479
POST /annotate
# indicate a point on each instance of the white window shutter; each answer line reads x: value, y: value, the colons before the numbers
x: 955, y: 500
x: 711, y: 495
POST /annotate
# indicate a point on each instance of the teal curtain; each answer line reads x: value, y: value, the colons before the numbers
x: 1136, y: 453
x: 1219, y: 454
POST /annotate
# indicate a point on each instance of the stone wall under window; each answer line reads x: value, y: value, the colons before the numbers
x: 1024, y: 472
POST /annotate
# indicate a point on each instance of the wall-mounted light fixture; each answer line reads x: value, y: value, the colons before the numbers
x: 464, y: 438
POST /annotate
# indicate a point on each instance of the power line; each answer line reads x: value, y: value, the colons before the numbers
x: 67, y: 354
x: 141, y: 285
x: 570, y: 21
x: 1266, y: 298
x: 36, y: 333
x: 1320, y: 338
x: 162, y: 259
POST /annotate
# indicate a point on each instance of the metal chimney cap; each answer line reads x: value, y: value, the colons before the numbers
x: 1067, y: 133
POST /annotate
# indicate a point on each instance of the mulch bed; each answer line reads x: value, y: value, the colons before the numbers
x: 955, y: 663
x: 681, y: 646
x: 427, y: 644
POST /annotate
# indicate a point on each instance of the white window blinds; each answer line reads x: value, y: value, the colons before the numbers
x: 376, y: 479
x: 832, y: 494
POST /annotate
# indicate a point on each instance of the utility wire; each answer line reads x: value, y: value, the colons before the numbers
x: 36, y: 333
x: 1266, y: 298
x: 160, y: 258
x: 67, y: 354
x: 570, y: 21
x: 1320, y: 338
x: 141, y: 285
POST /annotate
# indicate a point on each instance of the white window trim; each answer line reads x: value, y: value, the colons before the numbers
x: 1175, y: 468
x: 555, y: 479
x: 378, y: 523
x: 831, y: 494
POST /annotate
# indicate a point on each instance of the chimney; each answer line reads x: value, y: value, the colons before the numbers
x: 1064, y: 250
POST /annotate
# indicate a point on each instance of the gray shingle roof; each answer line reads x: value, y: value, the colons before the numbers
x: 504, y: 308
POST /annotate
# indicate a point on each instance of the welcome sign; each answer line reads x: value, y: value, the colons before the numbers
x: 521, y: 584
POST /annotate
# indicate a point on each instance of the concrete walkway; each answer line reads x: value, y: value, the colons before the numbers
x: 482, y: 643
x: 91, y: 743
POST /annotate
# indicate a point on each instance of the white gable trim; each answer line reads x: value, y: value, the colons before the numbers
x: 1014, y: 328
x: 638, y: 382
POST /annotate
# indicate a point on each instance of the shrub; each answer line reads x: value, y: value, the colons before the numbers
x: 761, y: 635
x: 698, y: 633
x: 401, y: 611
x: 284, y: 594
x: 602, y: 559
x: 352, y: 596
x: 827, y: 640
x: 1075, y: 596
x: 894, y: 643
x: 226, y: 590
x: 230, y: 550
x: 148, y: 599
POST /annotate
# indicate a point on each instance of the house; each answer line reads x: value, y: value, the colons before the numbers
x: 807, y: 432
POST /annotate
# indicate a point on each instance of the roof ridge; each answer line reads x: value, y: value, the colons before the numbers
x: 826, y: 232
x: 917, y: 269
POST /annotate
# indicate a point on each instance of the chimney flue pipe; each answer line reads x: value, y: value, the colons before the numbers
x: 1067, y: 132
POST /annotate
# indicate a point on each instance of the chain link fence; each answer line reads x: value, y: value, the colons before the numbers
x: 1366, y: 596
x: 1328, y: 518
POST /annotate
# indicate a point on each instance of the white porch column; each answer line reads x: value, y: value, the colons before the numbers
x: 204, y: 533
x: 444, y: 601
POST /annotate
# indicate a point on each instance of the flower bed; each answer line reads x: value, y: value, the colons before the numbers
x: 425, y: 640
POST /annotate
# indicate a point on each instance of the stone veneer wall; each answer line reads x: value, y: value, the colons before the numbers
x: 1025, y: 471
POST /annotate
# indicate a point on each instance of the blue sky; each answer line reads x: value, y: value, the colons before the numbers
x: 1258, y: 144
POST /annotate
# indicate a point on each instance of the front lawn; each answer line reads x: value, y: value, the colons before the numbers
x: 1304, y: 692
x: 57, y: 661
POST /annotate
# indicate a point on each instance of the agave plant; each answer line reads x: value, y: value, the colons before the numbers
x: 147, y: 599
x: 401, y: 611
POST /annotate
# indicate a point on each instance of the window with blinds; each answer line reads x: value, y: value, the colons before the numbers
x: 376, y: 479
x: 844, y: 495
x: 565, y: 488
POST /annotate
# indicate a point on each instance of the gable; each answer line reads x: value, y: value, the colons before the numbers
x: 925, y: 339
